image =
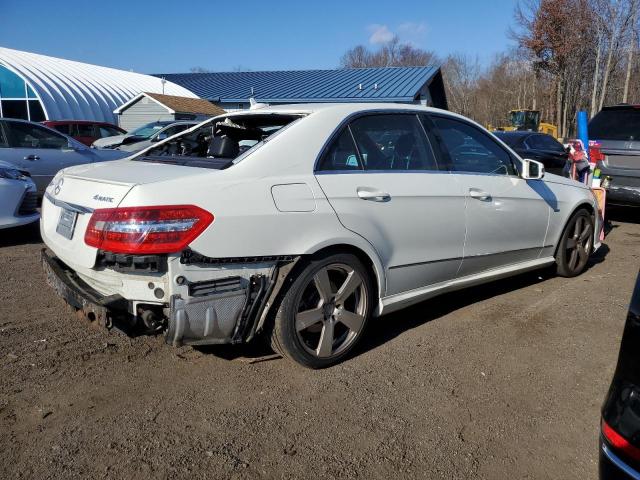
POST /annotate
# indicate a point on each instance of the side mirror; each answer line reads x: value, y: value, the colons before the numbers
x: 160, y: 137
x: 532, y: 170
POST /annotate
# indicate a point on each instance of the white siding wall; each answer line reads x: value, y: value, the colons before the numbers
x: 142, y: 112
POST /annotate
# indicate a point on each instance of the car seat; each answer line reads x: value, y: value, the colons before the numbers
x: 223, y: 147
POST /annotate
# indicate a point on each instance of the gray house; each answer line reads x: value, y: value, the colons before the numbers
x: 151, y: 107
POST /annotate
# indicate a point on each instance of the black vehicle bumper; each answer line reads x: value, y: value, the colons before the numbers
x: 109, y: 312
x: 625, y: 185
x: 228, y: 310
x: 612, y: 467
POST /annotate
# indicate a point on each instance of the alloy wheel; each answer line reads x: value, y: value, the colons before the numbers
x: 578, y: 244
x: 331, y: 310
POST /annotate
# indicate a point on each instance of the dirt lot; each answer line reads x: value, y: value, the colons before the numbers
x: 501, y: 381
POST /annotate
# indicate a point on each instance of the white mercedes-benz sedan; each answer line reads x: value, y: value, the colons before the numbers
x: 301, y: 222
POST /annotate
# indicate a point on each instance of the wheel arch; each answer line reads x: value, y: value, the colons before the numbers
x: 374, y: 268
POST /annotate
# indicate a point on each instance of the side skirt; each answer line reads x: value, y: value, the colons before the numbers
x: 401, y: 300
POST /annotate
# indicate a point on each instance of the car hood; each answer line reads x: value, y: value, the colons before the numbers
x: 109, y: 141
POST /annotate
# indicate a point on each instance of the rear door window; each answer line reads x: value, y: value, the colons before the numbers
x: 342, y: 155
x: 84, y: 130
x: 63, y: 128
x: 393, y: 142
x: 26, y: 135
x: 108, y: 132
x: 544, y: 142
x: 471, y: 150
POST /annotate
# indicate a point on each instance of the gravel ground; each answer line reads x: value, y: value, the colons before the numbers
x: 499, y: 381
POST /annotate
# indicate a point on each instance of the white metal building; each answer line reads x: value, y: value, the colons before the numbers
x: 37, y: 87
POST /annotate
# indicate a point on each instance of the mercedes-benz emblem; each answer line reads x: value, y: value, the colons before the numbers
x: 58, y: 186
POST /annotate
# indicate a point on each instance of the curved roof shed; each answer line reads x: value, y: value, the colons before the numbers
x: 80, y: 91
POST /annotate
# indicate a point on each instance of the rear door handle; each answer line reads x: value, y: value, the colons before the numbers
x: 366, y: 193
x: 479, y: 195
x: 32, y: 157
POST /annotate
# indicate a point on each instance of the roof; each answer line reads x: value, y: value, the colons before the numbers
x: 176, y: 104
x: 80, y: 122
x: 514, y: 133
x: 81, y: 91
x: 399, y: 84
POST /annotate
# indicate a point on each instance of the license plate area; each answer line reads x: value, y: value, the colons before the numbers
x: 67, y: 223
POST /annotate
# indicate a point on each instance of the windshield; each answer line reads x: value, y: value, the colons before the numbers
x: 146, y: 131
x: 616, y: 124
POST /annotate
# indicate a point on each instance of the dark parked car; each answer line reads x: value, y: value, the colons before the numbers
x: 617, y: 129
x: 85, y: 131
x: 620, y: 435
x: 537, y: 146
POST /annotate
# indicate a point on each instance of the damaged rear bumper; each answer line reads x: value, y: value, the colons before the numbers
x: 223, y: 310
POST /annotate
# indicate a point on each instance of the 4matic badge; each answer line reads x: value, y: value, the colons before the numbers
x: 100, y: 198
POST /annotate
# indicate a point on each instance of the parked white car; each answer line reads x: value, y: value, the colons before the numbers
x: 18, y: 197
x: 304, y: 221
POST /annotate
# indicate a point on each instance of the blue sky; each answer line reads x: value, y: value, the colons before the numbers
x: 172, y: 36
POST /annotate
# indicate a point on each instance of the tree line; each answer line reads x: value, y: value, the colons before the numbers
x: 570, y: 55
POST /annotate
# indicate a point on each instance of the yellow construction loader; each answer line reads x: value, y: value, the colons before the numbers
x: 529, y: 120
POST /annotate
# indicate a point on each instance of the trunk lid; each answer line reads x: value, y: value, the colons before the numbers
x: 621, y: 153
x: 75, y: 199
x: 77, y: 191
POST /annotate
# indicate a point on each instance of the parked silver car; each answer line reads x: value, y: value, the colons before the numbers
x: 144, y: 136
x: 18, y: 197
x: 42, y: 151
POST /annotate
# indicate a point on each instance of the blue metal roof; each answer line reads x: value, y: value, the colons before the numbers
x: 399, y: 84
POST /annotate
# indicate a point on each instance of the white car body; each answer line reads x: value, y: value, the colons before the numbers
x: 423, y: 232
x: 18, y: 198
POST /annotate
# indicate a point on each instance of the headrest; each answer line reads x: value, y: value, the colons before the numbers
x: 223, y: 147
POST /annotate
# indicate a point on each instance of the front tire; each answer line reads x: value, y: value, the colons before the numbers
x: 324, y: 311
x: 575, y: 245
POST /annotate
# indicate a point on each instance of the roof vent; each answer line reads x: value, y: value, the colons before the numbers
x: 359, y: 86
x: 375, y: 86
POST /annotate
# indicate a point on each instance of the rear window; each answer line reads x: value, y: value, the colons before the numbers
x: 218, y: 143
x: 616, y: 124
x: 511, y: 140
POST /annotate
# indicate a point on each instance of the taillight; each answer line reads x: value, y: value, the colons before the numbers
x: 152, y: 230
x: 620, y: 443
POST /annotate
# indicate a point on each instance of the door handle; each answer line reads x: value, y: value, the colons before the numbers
x: 479, y: 195
x: 32, y: 157
x: 366, y: 193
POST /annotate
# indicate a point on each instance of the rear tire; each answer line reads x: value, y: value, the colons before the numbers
x: 576, y: 244
x: 324, y: 311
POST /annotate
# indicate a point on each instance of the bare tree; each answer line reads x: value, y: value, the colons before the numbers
x: 632, y: 44
x: 393, y: 53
